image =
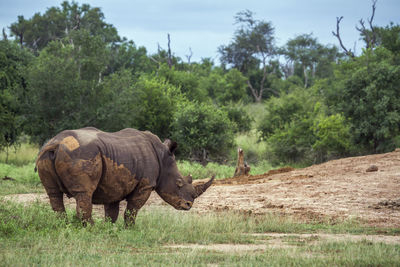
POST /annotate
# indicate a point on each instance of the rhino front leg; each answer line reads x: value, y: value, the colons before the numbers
x: 111, y: 211
x: 136, y: 200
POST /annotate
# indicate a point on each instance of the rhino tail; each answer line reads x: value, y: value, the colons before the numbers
x: 46, y: 148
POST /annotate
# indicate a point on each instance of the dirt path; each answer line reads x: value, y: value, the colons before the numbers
x: 277, y: 240
x: 338, y: 189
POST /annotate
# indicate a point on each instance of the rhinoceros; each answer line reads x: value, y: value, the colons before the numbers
x: 97, y: 167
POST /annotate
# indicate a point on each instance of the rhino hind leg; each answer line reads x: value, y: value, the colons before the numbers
x: 80, y: 177
x: 136, y: 200
x: 49, y: 179
x: 111, y: 211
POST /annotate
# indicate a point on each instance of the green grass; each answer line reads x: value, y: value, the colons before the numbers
x: 34, y: 235
x: 199, y: 171
x: 24, y: 179
x: 22, y: 155
x: 254, y: 149
x: 20, y: 167
x: 256, y: 111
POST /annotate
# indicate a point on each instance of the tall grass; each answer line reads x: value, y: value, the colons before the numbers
x: 256, y: 111
x: 22, y: 155
x: 254, y: 149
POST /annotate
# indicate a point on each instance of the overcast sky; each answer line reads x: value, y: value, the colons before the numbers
x: 205, y: 25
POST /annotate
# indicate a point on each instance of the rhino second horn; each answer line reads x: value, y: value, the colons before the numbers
x: 201, y: 188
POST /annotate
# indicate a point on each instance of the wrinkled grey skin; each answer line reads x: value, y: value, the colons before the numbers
x: 96, y: 167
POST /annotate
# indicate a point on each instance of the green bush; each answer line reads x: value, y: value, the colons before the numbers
x: 187, y: 82
x: 281, y: 111
x: 293, y: 143
x: 203, y: 132
x: 238, y: 115
x: 297, y: 129
x: 225, y: 87
x: 333, y: 137
x: 153, y: 105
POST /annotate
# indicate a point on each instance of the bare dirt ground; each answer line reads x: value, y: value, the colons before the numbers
x: 338, y: 189
x: 335, y: 190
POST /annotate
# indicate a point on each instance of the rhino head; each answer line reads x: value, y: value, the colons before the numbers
x: 175, y: 189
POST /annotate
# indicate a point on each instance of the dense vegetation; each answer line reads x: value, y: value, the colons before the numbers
x: 68, y: 68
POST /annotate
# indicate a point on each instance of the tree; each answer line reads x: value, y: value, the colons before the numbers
x: 57, y: 23
x: 13, y: 61
x: 187, y: 82
x: 114, y: 112
x: 389, y: 37
x: 313, y: 57
x: 64, y: 86
x: 251, y: 48
x: 224, y: 87
x: 127, y: 56
x: 367, y: 92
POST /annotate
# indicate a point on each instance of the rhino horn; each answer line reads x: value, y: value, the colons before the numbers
x: 201, y: 188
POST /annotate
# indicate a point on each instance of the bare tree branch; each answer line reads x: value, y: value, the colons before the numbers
x: 4, y: 35
x: 337, y: 35
x: 373, y: 13
x: 373, y: 37
x: 190, y: 55
x: 370, y: 37
x: 169, y: 52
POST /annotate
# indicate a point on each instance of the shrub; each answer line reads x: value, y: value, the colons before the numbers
x: 153, y: 105
x: 293, y: 143
x: 203, y: 131
x: 297, y: 129
x: 281, y: 111
x: 333, y: 137
x: 239, y: 116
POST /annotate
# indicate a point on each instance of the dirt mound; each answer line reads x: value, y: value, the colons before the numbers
x: 247, y: 179
x: 335, y: 190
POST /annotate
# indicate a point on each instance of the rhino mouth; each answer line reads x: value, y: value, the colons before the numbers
x: 175, y: 201
x: 185, y: 205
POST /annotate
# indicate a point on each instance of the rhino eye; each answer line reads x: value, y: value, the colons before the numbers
x: 179, y: 182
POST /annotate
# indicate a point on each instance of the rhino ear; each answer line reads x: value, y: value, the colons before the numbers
x: 189, y: 179
x: 172, y: 146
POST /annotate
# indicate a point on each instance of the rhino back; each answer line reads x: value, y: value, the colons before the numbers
x: 131, y: 149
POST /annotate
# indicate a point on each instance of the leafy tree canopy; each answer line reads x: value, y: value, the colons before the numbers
x: 57, y: 23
